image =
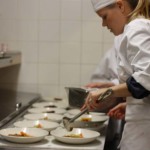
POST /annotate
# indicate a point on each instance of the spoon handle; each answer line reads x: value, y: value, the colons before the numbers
x: 78, y: 115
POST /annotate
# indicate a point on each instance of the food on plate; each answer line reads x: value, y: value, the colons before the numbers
x: 74, y: 135
x: 21, y: 134
x: 38, y: 125
x: 49, y: 111
x: 50, y: 106
x: 57, y: 99
x: 86, y: 119
x: 45, y: 118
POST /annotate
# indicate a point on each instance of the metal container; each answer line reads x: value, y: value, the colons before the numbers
x: 76, y: 96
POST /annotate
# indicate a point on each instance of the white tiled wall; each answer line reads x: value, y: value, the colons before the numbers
x: 61, y: 42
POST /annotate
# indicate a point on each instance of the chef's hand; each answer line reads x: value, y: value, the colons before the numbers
x: 91, y: 101
x: 100, y: 85
x: 118, y: 111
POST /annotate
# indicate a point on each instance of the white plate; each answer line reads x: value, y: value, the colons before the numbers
x: 43, y: 124
x: 98, y: 113
x: 44, y: 116
x: 47, y: 110
x: 36, y: 135
x: 50, y: 105
x: 88, y: 135
x: 76, y: 111
x: 94, y: 118
x: 54, y: 99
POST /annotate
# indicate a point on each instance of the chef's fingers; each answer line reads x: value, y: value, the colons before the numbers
x: 120, y: 116
x: 114, y: 113
x: 116, y: 108
x: 83, y: 107
x: 87, y: 102
x: 92, y: 105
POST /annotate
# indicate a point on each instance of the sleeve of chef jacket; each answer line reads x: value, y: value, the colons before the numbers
x: 137, y: 39
x: 106, y: 70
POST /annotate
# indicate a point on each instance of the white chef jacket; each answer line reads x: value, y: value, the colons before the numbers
x: 107, y: 70
x: 133, y: 59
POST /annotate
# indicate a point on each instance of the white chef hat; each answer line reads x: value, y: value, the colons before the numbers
x: 99, y: 4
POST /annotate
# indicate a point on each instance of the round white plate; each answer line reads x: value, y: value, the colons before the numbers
x: 47, y: 110
x: 88, y: 135
x: 54, y: 99
x: 43, y: 124
x: 76, y: 111
x: 50, y: 105
x: 94, y: 118
x: 35, y: 135
x: 98, y: 113
x: 44, y: 116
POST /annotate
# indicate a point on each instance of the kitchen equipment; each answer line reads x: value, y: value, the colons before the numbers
x: 76, y: 96
x: 67, y: 121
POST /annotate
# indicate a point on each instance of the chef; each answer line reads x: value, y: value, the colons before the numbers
x: 105, y: 74
x: 130, y: 20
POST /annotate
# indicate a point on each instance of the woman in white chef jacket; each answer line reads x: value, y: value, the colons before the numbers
x: 130, y: 20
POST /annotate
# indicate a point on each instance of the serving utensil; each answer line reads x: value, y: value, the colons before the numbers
x: 67, y: 122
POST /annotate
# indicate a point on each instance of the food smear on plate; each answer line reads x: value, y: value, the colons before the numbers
x: 74, y: 135
x: 49, y: 111
x: 57, y: 98
x: 21, y: 134
x: 86, y: 119
x: 45, y: 116
x: 38, y: 126
x: 50, y: 106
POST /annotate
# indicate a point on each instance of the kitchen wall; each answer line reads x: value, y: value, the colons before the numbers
x: 61, y: 42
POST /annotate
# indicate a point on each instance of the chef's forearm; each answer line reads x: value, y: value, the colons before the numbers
x: 120, y: 90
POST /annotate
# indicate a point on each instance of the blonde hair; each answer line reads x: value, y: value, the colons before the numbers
x: 140, y: 8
